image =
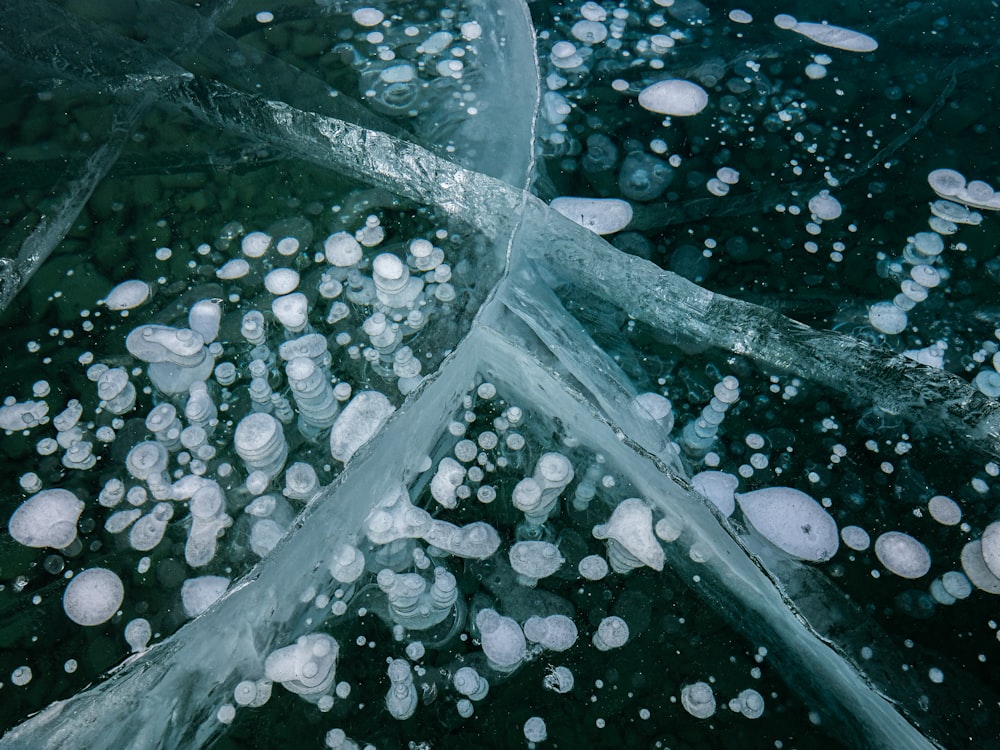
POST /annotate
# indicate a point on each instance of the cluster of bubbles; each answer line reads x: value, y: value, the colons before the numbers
x: 921, y: 267
x: 405, y: 66
x: 712, y: 107
x: 537, y: 527
x: 931, y: 552
x: 478, y: 569
x: 220, y: 421
x: 626, y: 173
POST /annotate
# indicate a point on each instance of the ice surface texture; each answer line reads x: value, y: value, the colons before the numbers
x: 556, y: 370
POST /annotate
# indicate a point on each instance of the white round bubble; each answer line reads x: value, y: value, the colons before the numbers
x: 944, y: 510
x: 47, y: 519
x: 886, y: 318
x: 856, y: 538
x: 698, y: 700
x: 198, y: 594
x: 751, y: 703
x: 815, y: 71
x: 719, y: 487
x: 946, y: 182
x: 674, y: 96
x: 980, y: 192
x: 611, y: 633
x: 991, y: 548
x: 975, y: 568
x: 93, y: 596
x: 368, y: 17
x: 282, y: 281
x: 925, y: 275
x: 791, y: 521
x: 957, y: 584
x: 988, y: 383
x: 824, y: 206
x: 255, y: 244
x: 535, y: 730
x: 137, y: 634
x: 717, y: 187
x: 902, y: 554
x: 599, y: 215
x: 593, y: 11
x: 589, y: 32
x: 593, y: 567
x: 21, y: 676
x: 728, y: 175
x: 471, y: 30
x: 127, y: 295
x: 785, y: 21
x: 234, y: 269
x: 245, y: 692
x: 342, y: 249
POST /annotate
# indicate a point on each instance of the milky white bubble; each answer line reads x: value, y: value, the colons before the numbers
x: 944, y: 510
x: 93, y: 596
x: 599, y: 215
x: 856, y: 538
x: 368, y: 17
x: 127, y: 295
x: 674, y: 96
x: 902, y: 554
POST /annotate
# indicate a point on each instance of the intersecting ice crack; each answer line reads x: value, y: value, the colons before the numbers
x: 570, y: 378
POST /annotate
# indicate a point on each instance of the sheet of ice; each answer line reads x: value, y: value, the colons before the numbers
x: 746, y: 587
x: 16, y: 269
x: 829, y: 358
x: 195, y: 669
x: 136, y: 693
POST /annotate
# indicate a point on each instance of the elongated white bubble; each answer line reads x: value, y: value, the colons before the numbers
x: 128, y: 295
x: 902, y: 554
x: 47, y: 519
x: 599, y: 215
x: 792, y: 521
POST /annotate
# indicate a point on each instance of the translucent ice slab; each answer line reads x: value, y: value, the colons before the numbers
x: 515, y: 310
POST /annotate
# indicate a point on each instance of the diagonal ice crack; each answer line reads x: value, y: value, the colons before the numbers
x: 663, y: 299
